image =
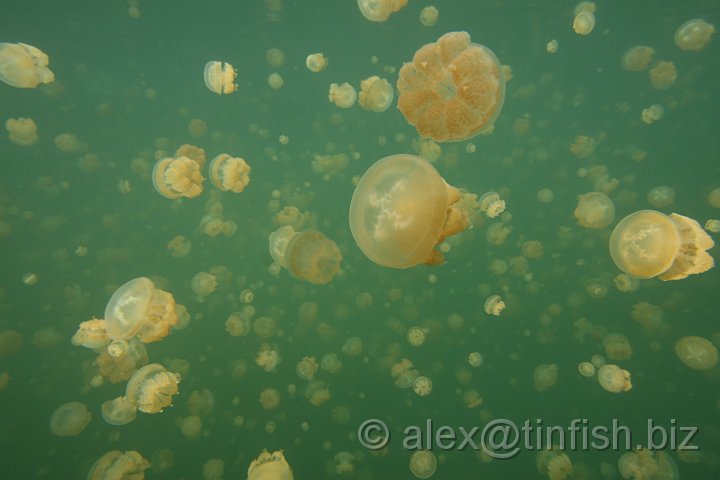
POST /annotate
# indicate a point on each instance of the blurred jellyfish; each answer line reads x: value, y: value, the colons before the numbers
x: 191, y: 427
x: 614, y: 379
x: 162, y: 460
x: 648, y: 244
x: 423, y: 463
x: 269, y: 398
x: 379, y: 10
x: 306, y: 368
x: 220, y: 77
x: 353, y: 347
x: 267, y: 358
x: 177, y: 177
x: 91, y: 334
x: 663, y: 75
x: 644, y: 464
x: 118, y: 465
x: 343, y: 96
x: 213, y: 469
x: 330, y: 363
x: 229, y: 173
x: 238, y: 325
x: 24, y: 66
x: 316, y: 62
x: 617, y: 347
x: 652, y: 114
x: 270, y: 466
x: 317, y: 393
x: 69, y: 419
x: 308, y: 255
x: 696, y: 352
x: 594, y: 210
x: 586, y: 369
x: 118, y: 366
x: 416, y: 336
x: 637, y: 58
x: 429, y: 16
x: 376, y: 94
x: 118, y: 411
x: 151, y: 388
x: 494, y: 305
x: 475, y: 359
x: 201, y: 402
x: 545, y: 376
x: 422, y: 386
x: 179, y: 246
x: 452, y: 90
x: 694, y: 34
x: 343, y: 462
x: 22, y: 131
x: 492, y: 204
x: 275, y: 81
x: 554, y: 463
x: 584, y: 23
x: 203, y: 284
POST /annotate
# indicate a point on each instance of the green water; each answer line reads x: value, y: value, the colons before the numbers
x: 105, y: 63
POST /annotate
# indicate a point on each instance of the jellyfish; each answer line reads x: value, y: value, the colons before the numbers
x: 475, y: 359
x: 151, y: 388
x: 118, y: 465
x: 330, y: 363
x: 179, y: 246
x: 644, y: 464
x: 203, y: 284
x: 220, y: 77
x: 91, y: 334
x: 491, y: 204
x: 545, y: 376
x: 594, y: 210
x: 119, y: 366
x: 197, y: 154
x: 554, y: 463
x: 267, y: 358
x: 416, y: 336
x: 22, y: 131
x: 311, y: 256
x: 275, y: 81
x: 269, y: 398
x: 696, y: 352
x: 586, y: 369
x: 69, y: 419
x: 376, y: 94
x: 306, y: 368
x: 317, y: 393
x: 353, y: 347
x: 494, y: 305
x: 584, y: 22
x: 316, y: 62
x: 423, y: 463
x: 229, y: 173
x: 422, y: 386
x: 191, y: 427
x: 402, y: 209
x: 177, y: 177
x: 24, y: 66
x: 201, y: 402
x: 614, y: 379
x: 343, y: 462
x: 379, y: 10
x: 452, y: 90
x: 429, y: 16
x: 637, y: 58
x: 653, y: 113
x: 118, y: 411
x: 694, y: 34
x: 343, y: 96
x: 270, y: 466
x: 648, y: 244
x: 162, y: 460
x: 275, y: 57
x: 617, y: 347
x: 238, y: 325
x: 663, y: 75
x: 264, y: 327
x: 661, y: 196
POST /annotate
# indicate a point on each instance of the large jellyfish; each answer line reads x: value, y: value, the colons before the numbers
x: 402, y: 209
x: 648, y: 244
x: 24, y: 66
x: 270, y: 466
x: 452, y: 90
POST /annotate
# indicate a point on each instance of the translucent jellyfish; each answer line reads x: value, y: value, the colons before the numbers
x: 312, y: 257
x: 652, y: 114
x: 376, y: 94
x: 151, y: 388
x: 663, y: 75
x: 192, y: 152
x: 191, y: 427
x: 416, y: 336
x: 118, y: 411
x: 229, y: 173
x: 492, y: 204
x: 344, y: 462
x: 162, y: 460
x: 696, y: 352
x: 269, y: 398
x: 138, y: 309
x: 275, y: 57
x: 123, y: 364
x: 22, y: 131
x: 317, y: 393
x: 267, y: 358
x: 24, y: 66
x: 177, y: 177
x: 648, y: 244
x: 429, y: 16
x: 494, y: 305
x: 343, y: 96
x: 306, y: 368
x: 617, y: 347
x: 264, y: 327
x: 423, y: 463
x: 213, y: 469
x: 545, y: 376
x: 712, y: 225
x: 422, y: 386
x: 91, y: 334
x: 586, y: 369
x: 475, y: 359
x: 270, y: 466
x: 118, y: 465
x: 402, y: 209
x: 278, y: 242
x: 179, y: 246
x: 275, y: 81
x: 238, y: 325
x: 203, y: 284
x: 452, y: 90
x: 637, y: 58
x: 694, y: 34
x: 316, y: 62
x: 220, y: 77
x: 330, y: 363
x: 70, y: 419
x: 201, y: 402
x: 594, y: 210
x: 614, y: 379
x: 584, y: 23
x: 646, y: 464
x: 353, y: 347
x: 554, y: 463
x: 379, y: 10
x: 661, y: 196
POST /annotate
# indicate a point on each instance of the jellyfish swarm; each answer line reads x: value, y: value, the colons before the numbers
x: 24, y: 66
x: 270, y: 466
x: 401, y: 209
x: 452, y: 90
x: 220, y: 77
x: 308, y: 255
x: 648, y: 244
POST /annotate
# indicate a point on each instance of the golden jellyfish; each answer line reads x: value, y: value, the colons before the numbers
x: 118, y: 366
x: 617, y: 347
x: 594, y: 210
x: 429, y: 16
x: 275, y: 57
x: 191, y: 427
x: 269, y: 398
x: 696, y: 352
x: 201, y: 402
x: 663, y: 75
x: 311, y: 256
x: 203, y: 284
x: 177, y: 177
x: 452, y: 90
x: 67, y: 142
x: 343, y: 462
x: 138, y: 309
x: 270, y: 466
x: 402, y: 209
x: 229, y: 173
x: 644, y: 464
x: 545, y: 376
x: 423, y: 463
x: 22, y: 131
x: 586, y: 369
x: 151, y: 388
x: 694, y: 34
x: 380, y: 10
x: 330, y: 363
x: 492, y: 204
x: 24, y: 66
x: 118, y: 411
x: 267, y: 358
x: 317, y: 393
x: 306, y: 368
x: 275, y: 81
x: 661, y: 196
x: 238, y: 325
x: 637, y: 58
x: 376, y: 94
x: 649, y: 244
x: 353, y: 347
x: 494, y: 305
x: 91, y: 334
x: 584, y: 23
x: 70, y: 419
x: 213, y: 469
x: 343, y: 96
x: 614, y: 379
x: 712, y: 225
x: 220, y: 77
x: 653, y: 113
x: 118, y: 465
x: 554, y: 463
x: 416, y: 336
x: 192, y: 152
x: 316, y: 62
x: 475, y: 359
x: 179, y: 246
x: 422, y: 386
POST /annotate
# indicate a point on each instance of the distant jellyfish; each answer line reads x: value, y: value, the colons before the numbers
x: 343, y: 96
x: 201, y: 402
x: 712, y: 225
x: 269, y: 398
x: 306, y: 368
x: 118, y: 465
x: 270, y: 466
x: 220, y: 77
x: 118, y: 411
x: 554, y: 463
x: 267, y: 358
x: 203, y: 284
x: 275, y: 57
x: 229, y: 173
x: 545, y: 376
x: 151, y: 388
x: 191, y: 426
x: 696, y: 352
x: 614, y: 379
x: 637, y: 58
x: 376, y: 94
x: 213, y: 469
x: 423, y: 463
x: 429, y: 16
x: 416, y: 336
x: 422, y: 386
x: 494, y: 305
x: 316, y: 62
x: 238, y: 325
x: 177, y: 177
x: 380, y: 10
x: 652, y: 114
x: 584, y: 23
x: 91, y: 334
x: 330, y: 363
x: 644, y: 464
x: 648, y: 244
x: 492, y: 204
x: 617, y: 347
x: 663, y: 75
x: 475, y: 359
x: 694, y: 34
x: 69, y: 419
x: 452, y: 90
x: 661, y: 196
x: 353, y: 347
x: 24, y: 66
x: 594, y: 210
x: 275, y: 81
x: 119, y: 366
x: 22, y: 131
x: 402, y: 209
x: 586, y: 369
x: 312, y: 257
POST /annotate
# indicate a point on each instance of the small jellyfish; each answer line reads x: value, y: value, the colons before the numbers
x: 694, y: 34
x: 614, y: 379
x: 229, y: 173
x: 191, y: 426
x: 91, y: 334
x: 423, y: 463
x: 475, y: 359
x: 663, y: 75
x: 402, y: 209
x: 492, y: 204
x: 594, y: 210
x: 203, y: 284
x: 343, y: 96
x: 220, y: 77
x: 712, y: 225
x: 177, y: 177
x: 275, y: 81
x: 661, y: 196
x: 554, y: 463
x: 353, y: 347
x: 24, y: 66
x: 151, y: 388
x: 118, y: 411
x: 22, y: 131
x: 238, y: 325
x: 584, y: 22
x: 275, y: 57
x: 637, y: 58
x: 269, y: 398
x: 649, y: 244
x: 118, y: 465
x: 379, y: 10
x: 416, y: 336
x: 617, y: 347
x: 312, y: 257
x: 696, y: 352
x: 316, y: 62
x: 586, y: 369
x: 376, y: 94
x: 69, y: 419
x: 494, y: 305
x: 267, y: 358
x: 653, y: 113
x: 201, y: 402
x: 545, y: 376
x: 422, y: 386
x: 452, y: 90
x: 270, y: 466
x: 306, y: 368
x: 429, y: 16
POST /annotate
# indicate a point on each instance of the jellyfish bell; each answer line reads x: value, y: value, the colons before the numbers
x: 24, y: 66
x: 70, y: 419
x: 344, y: 96
x: 613, y: 378
x: 118, y: 411
x: 694, y: 35
x: 316, y: 62
x: 151, y: 388
x: 376, y: 94
x: 379, y: 10
x: 696, y: 352
x: 220, y: 77
x: 270, y: 466
x: 402, y: 209
x: 649, y: 244
x: 594, y: 210
x: 312, y: 257
x: 423, y: 463
x: 229, y: 173
x: 116, y: 464
x: 452, y: 90
x: 278, y: 242
x: 177, y: 177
